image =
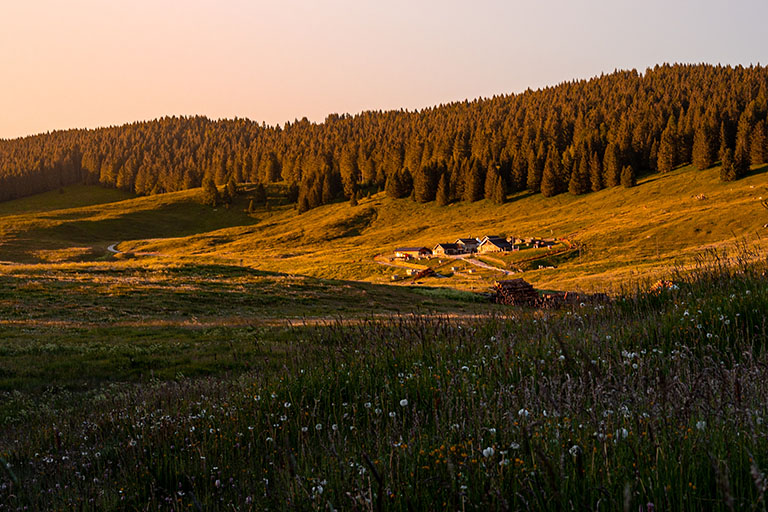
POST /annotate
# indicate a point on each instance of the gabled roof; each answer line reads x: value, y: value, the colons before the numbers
x: 467, y: 241
x: 411, y: 249
x: 498, y: 242
x: 446, y: 246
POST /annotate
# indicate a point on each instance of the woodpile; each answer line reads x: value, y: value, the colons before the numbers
x: 515, y: 292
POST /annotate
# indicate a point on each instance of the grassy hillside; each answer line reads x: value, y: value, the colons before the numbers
x: 623, y: 233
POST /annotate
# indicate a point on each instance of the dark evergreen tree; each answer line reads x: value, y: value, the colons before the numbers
x: 210, y: 192
x: 704, y: 146
x: 628, y: 178
x: 728, y: 171
x: 443, y: 193
x: 550, y: 179
x: 612, y: 165
x: 668, y: 151
x: 579, y: 182
x: 595, y: 172
x: 474, y: 182
x: 758, y: 145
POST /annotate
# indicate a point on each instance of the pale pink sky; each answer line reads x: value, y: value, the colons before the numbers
x: 90, y: 63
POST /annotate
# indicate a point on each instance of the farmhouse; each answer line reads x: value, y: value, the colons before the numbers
x: 468, y: 244
x: 443, y: 249
x: 412, y: 252
x: 494, y: 244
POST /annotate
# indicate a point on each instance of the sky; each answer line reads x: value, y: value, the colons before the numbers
x: 92, y: 63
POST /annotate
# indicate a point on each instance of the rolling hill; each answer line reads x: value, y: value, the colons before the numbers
x: 623, y: 233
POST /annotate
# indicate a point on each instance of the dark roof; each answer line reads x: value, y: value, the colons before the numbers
x: 498, y: 242
x: 448, y: 246
x: 411, y: 249
x: 466, y: 241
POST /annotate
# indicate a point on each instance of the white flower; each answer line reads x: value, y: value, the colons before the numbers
x: 574, y: 450
x: 334, y: 427
x: 304, y: 429
x: 701, y: 424
x: 318, y: 427
x: 392, y: 414
x: 514, y: 446
x: 403, y: 402
x: 367, y: 405
x: 492, y: 430
x: 488, y: 452
x: 523, y: 413
x: 269, y: 440
x: 287, y: 405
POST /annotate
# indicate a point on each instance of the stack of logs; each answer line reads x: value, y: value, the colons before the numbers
x: 515, y: 292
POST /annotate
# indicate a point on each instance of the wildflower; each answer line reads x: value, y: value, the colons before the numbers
x: 514, y: 446
x: 318, y: 427
x: 701, y: 425
x: 287, y: 405
x: 304, y: 429
x: 403, y: 402
x: 523, y: 413
x: 392, y: 414
x: 334, y: 427
x: 378, y: 410
x: 270, y: 440
x: 367, y: 405
x: 492, y: 430
x: 488, y: 452
x: 574, y: 450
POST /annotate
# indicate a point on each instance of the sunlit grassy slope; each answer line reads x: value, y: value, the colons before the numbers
x: 623, y: 232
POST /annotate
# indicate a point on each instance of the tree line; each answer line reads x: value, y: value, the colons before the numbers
x: 576, y: 137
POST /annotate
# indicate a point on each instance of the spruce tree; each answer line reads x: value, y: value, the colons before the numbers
x: 210, y: 192
x: 595, y: 172
x: 727, y: 169
x: 666, y: 159
x: 741, y: 155
x: 628, y: 178
x: 474, y: 181
x: 612, y: 165
x: 704, y: 146
x: 550, y: 179
x: 443, y: 194
x: 757, y: 144
x: 579, y: 182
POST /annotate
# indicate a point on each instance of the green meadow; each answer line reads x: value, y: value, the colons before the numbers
x: 227, y: 360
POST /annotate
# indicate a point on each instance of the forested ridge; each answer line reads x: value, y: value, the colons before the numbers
x: 576, y: 137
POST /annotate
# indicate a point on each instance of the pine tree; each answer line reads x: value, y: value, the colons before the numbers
x: 667, y: 155
x: 628, y: 178
x: 579, y: 182
x: 231, y: 188
x: 210, y: 192
x: 612, y: 165
x: 550, y: 179
x: 704, y: 146
x: 741, y: 155
x: 474, y: 181
x: 535, y: 170
x: 727, y: 170
x: 443, y: 194
x: 595, y: 172
x: 757, y: 144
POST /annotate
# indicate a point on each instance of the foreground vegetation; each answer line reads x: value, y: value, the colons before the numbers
x: 654, y: 398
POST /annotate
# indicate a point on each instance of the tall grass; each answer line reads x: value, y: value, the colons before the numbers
x: 657, y: 398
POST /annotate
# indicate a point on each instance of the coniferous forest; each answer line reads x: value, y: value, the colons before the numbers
x: 576, y: 137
